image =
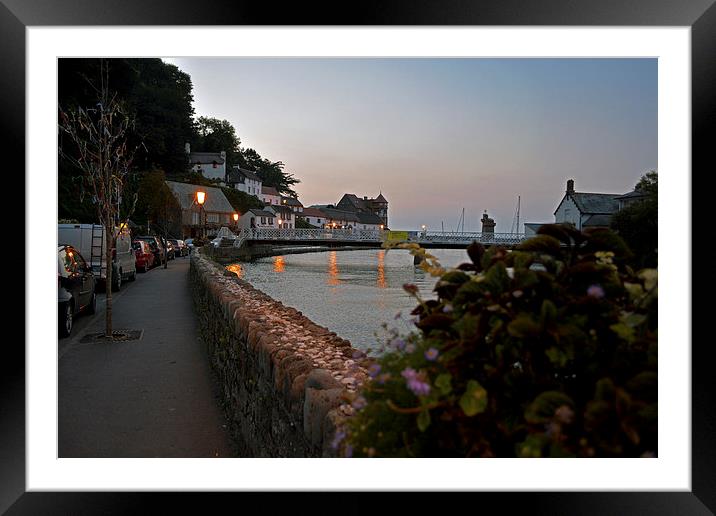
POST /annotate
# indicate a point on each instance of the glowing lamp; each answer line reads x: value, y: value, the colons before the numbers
x: 200, y: 197
x: 236, y: 217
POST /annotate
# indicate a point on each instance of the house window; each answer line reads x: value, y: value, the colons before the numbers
x: 270, y: 221
x: 195, y: 218
x: 263, y: 220
x: 212, y: 217
x: 318, y: 221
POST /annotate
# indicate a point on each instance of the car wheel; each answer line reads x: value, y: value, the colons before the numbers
x: 92, y: 307
x: 65, y: 319
x: 145, y: 268
x: 133, y: 276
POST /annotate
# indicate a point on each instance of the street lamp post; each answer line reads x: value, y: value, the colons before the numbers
x: 200, y: 200
x: 236, y: 220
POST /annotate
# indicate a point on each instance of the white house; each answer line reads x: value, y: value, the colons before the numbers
x: 583, y: 209
x: 244, y: 181
x: 285, y: 217
x: 256, y: 218
x: 314, y: 216
x: 211, y: 165
x: 269, y: 195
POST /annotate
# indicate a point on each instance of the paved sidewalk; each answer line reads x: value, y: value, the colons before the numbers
x: 152, y: 397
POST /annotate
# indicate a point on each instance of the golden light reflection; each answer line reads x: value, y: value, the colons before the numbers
x: 381, y: 270
x: 333, y: 269
x: 278, y: 264
x: 236, y: 269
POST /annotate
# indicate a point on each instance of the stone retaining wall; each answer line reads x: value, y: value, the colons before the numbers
x: 285, y: 381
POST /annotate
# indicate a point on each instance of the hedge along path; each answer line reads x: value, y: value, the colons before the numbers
x: 286, y: 381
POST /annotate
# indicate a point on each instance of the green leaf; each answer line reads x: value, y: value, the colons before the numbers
x: 624, y: 331
x: 423, y: 420
x: 556, y: 356
x: 467, y: 326
x: 442, y: 382
x: 543, y: 408
x: 474, y: 401
x: 548, y: 314
x: 531, y: 447
x: 541, y: 243
x: 523, y: 326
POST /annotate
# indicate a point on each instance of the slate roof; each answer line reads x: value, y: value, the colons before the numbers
x: 185, y: 193
x: 593, y: 203
x: 269, y: 190
x: 334, y: 214
x: 205, y: 158
x: 601, y: 220
x: 290, y: 201
x: 353, y: 201
x: 369, y: 218
x: 312, y: 212
x: 634, y: 194
x: 262, y: 213
x: 380, y: 198
x: 282, y: 210
x: 237, y: 175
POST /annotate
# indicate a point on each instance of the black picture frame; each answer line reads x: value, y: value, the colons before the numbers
x: 700, y: 15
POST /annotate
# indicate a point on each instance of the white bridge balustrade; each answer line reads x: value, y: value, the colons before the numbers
x: 358, y: 236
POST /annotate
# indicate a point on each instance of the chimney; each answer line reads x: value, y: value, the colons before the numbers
x: 570, y: 186
x: 187, y: 148
x: 365, y: 197
x: 488, y: 224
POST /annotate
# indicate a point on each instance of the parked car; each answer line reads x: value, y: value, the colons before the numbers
x: 90, y: 241
x: 157, y: 249
x: 144, y: 255
x: 170, y: 249
x: 180, y: 248
x: 76, y: 287
x: 189, y: 242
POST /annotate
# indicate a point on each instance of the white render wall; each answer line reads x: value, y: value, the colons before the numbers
x: 274, y: 200
x: 568, y: 212
x: 250, y: 187
x: 208, y: 171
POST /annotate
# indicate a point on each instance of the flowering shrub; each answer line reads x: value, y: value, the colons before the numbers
x: 549, y: 350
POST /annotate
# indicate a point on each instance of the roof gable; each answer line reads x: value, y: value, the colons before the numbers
x: 185, y: 193
x: 206, y: 158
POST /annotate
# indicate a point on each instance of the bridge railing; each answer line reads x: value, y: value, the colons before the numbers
x: 374, y: 235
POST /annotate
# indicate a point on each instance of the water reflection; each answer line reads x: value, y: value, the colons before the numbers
x: 236, y: 269
x: 350, y: 292
x: 381, y: 270
x: 333, y: 271
x: 279, y: 264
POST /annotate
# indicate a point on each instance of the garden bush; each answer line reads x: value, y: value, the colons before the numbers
x: 548, y: 350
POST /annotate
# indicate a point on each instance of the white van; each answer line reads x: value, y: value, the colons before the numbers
x: 89, y: 240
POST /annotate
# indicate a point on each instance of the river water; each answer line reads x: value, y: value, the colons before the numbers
x: 349, y: 292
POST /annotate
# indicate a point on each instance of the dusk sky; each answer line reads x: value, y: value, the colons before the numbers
x: 439, y: 135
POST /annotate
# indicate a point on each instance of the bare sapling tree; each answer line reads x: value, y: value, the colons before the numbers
x: 98, y: 138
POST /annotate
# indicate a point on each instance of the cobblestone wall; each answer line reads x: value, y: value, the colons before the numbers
x: 283, y: 378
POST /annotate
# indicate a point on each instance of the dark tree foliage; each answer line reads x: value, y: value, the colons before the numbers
x: 272, y: 173
x: 157, y: 94
x: 637, y: 223
x: 158, y: 210
x: 214, y: 135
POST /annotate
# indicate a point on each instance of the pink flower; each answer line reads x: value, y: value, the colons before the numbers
x: 431, y: 354
x: 595, y: 291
